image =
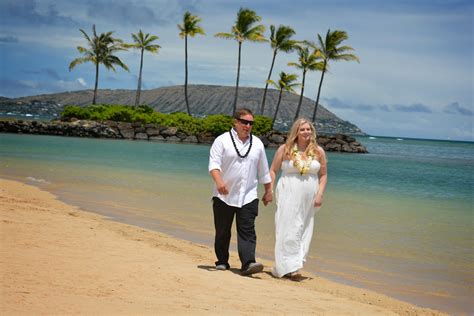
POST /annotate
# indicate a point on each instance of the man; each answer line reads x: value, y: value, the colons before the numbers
x: 235, y: 161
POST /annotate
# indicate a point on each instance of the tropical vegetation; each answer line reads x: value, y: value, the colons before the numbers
x: 312, y: 56
x: 101, y: 50
x: 280, y: 40
x: 307, y: 61
x: 244, y: 29
x: 143, y: 42
x: 331, y: 51
x: 211, y: 124
x: 190, y: 27
x: 286, y: 83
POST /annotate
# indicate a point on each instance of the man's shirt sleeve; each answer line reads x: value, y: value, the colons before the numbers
x: 215, y: 157
x: 263, y: 170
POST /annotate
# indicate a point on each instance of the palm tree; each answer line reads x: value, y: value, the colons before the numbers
x: 190, y: 27
x: 286, y: 83
x: 280, y: 41
x: 143, y: 43
x: 308, y: 61
x: 242, y: 30
x: 331, y: 51
x: 100, y: 51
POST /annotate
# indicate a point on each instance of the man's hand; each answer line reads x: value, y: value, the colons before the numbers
x: 220, y: 185
x: 222, y: 188
x: 267, y: 197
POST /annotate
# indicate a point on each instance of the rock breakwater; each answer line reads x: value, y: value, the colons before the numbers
x: 153, y: 132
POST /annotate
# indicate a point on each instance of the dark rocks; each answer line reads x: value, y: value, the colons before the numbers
x: 337, y: 143
x: 158, y: 138
x: 275, y: 138
x: 205, y: 138
x: 151, y: 132
x: 141, y: 136
x: 332, y: 147
x: 190, y: 139
x: 173, y: 139
x: 170, y: 131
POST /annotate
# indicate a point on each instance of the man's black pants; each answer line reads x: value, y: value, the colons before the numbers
x: 246, y: 236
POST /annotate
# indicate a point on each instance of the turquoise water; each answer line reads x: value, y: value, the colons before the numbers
x: 398, y: 220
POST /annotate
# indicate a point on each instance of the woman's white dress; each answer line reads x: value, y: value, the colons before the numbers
x: 294, y: 218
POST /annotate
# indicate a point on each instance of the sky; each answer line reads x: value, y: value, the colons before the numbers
x: 414, y: 79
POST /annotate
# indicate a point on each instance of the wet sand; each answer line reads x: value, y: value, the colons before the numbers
x: 56, y: 258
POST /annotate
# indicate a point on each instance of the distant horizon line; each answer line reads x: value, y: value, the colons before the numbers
x: 420, y: 138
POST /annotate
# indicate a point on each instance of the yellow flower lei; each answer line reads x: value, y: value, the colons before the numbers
x: 303, y: 165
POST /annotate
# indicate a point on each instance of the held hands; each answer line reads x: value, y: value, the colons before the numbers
x: 267, y: 197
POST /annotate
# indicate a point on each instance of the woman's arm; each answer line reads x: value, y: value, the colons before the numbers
x: 276, y: 163
x: 323, y: 179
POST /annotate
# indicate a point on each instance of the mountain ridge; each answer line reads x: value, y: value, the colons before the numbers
x: 203, y: 99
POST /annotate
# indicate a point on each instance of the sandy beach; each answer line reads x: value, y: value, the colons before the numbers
x: 56, y: 258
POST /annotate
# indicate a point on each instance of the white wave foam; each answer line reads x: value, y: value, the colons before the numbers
x: 38, y: 180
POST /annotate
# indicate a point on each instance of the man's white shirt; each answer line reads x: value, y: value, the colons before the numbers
x: 239, y: 174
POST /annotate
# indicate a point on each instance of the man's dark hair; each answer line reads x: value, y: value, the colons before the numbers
x: 242, y: 111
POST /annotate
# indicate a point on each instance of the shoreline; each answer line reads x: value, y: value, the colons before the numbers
x: 59, y: 258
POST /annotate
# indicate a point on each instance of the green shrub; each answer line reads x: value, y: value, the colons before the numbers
x: 217, y: 124
x: 74, y: 111
x: 184, y: 122
x: 214, y: 124
x: 146, y: 109
x: 262, y: 125
x: 114, y: 113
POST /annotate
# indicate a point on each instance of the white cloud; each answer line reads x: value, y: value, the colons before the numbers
x: 82, y: 82
x: 29, y: 83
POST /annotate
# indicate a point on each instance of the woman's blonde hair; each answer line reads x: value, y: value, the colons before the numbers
x: 312, y: 149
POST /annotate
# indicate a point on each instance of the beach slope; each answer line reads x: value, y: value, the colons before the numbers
x: 56, y: 258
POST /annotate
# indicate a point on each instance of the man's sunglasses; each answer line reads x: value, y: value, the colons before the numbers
x: 245, y: 122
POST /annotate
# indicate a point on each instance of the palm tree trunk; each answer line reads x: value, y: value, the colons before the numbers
x: 137, y: 99
x: 96, y: 82
x: 277, y: 108
x: 186, y: 74
x: 319, y: 92
x: 237, y: 82
x: 266, y: 84
x: 301, y: 98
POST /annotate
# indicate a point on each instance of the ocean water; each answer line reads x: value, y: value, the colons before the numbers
x: 398, y: 220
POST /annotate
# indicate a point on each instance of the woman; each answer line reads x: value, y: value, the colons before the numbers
x: 299, y: 193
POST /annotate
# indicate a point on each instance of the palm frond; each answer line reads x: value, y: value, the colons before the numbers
x: 85, y: 35
x: 344, y: 49
x: 292, y: 64
x: 152, y: 48
x: 347, y: 57
x: 81, y: 49
x: 273, y: 83
x: 223, y: 35
x: 190, y: 25
x: 245, y: 19
x: 256, y: 34
x: 78, y: 61
x: 280, y: 40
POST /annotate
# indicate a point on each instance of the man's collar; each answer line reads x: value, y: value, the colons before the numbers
x: 235, y: 135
